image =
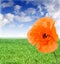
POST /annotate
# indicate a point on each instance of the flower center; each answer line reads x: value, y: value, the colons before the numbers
x: 45, y: 35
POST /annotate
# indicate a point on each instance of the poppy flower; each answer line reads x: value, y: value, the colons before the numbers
x: 43, y: 35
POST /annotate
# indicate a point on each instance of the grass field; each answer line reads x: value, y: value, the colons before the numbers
x: 19, y: 51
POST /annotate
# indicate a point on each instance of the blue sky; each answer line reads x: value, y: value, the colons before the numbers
x: 17, y: 16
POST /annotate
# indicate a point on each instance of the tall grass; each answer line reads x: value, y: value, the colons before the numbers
x: 20, y: 51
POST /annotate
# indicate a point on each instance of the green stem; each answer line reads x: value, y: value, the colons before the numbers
x: 55, y: 57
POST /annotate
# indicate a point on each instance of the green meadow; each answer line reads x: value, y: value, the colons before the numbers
x: 20, y: 51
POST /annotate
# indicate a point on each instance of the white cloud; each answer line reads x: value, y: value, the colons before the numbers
x: 1, y: 17
x: 9, y: 16
x: 40, y: 10
x: 23, y: 14
x: 26, y: 19
x: 53, y: 8
x: 23, y: 18
x: 3, y: 22
x: 8, y: 4
x: 6, y: 33
x: 5, y: 19
x: 17, y: 9
x: 30, y: 11
x: 39, y: 7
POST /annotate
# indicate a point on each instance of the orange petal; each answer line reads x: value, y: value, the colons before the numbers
x: 47, y: 48
x: 45, y: 22
x: 54, y: 34
x: 31, y: 35
x: 41, y: 26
